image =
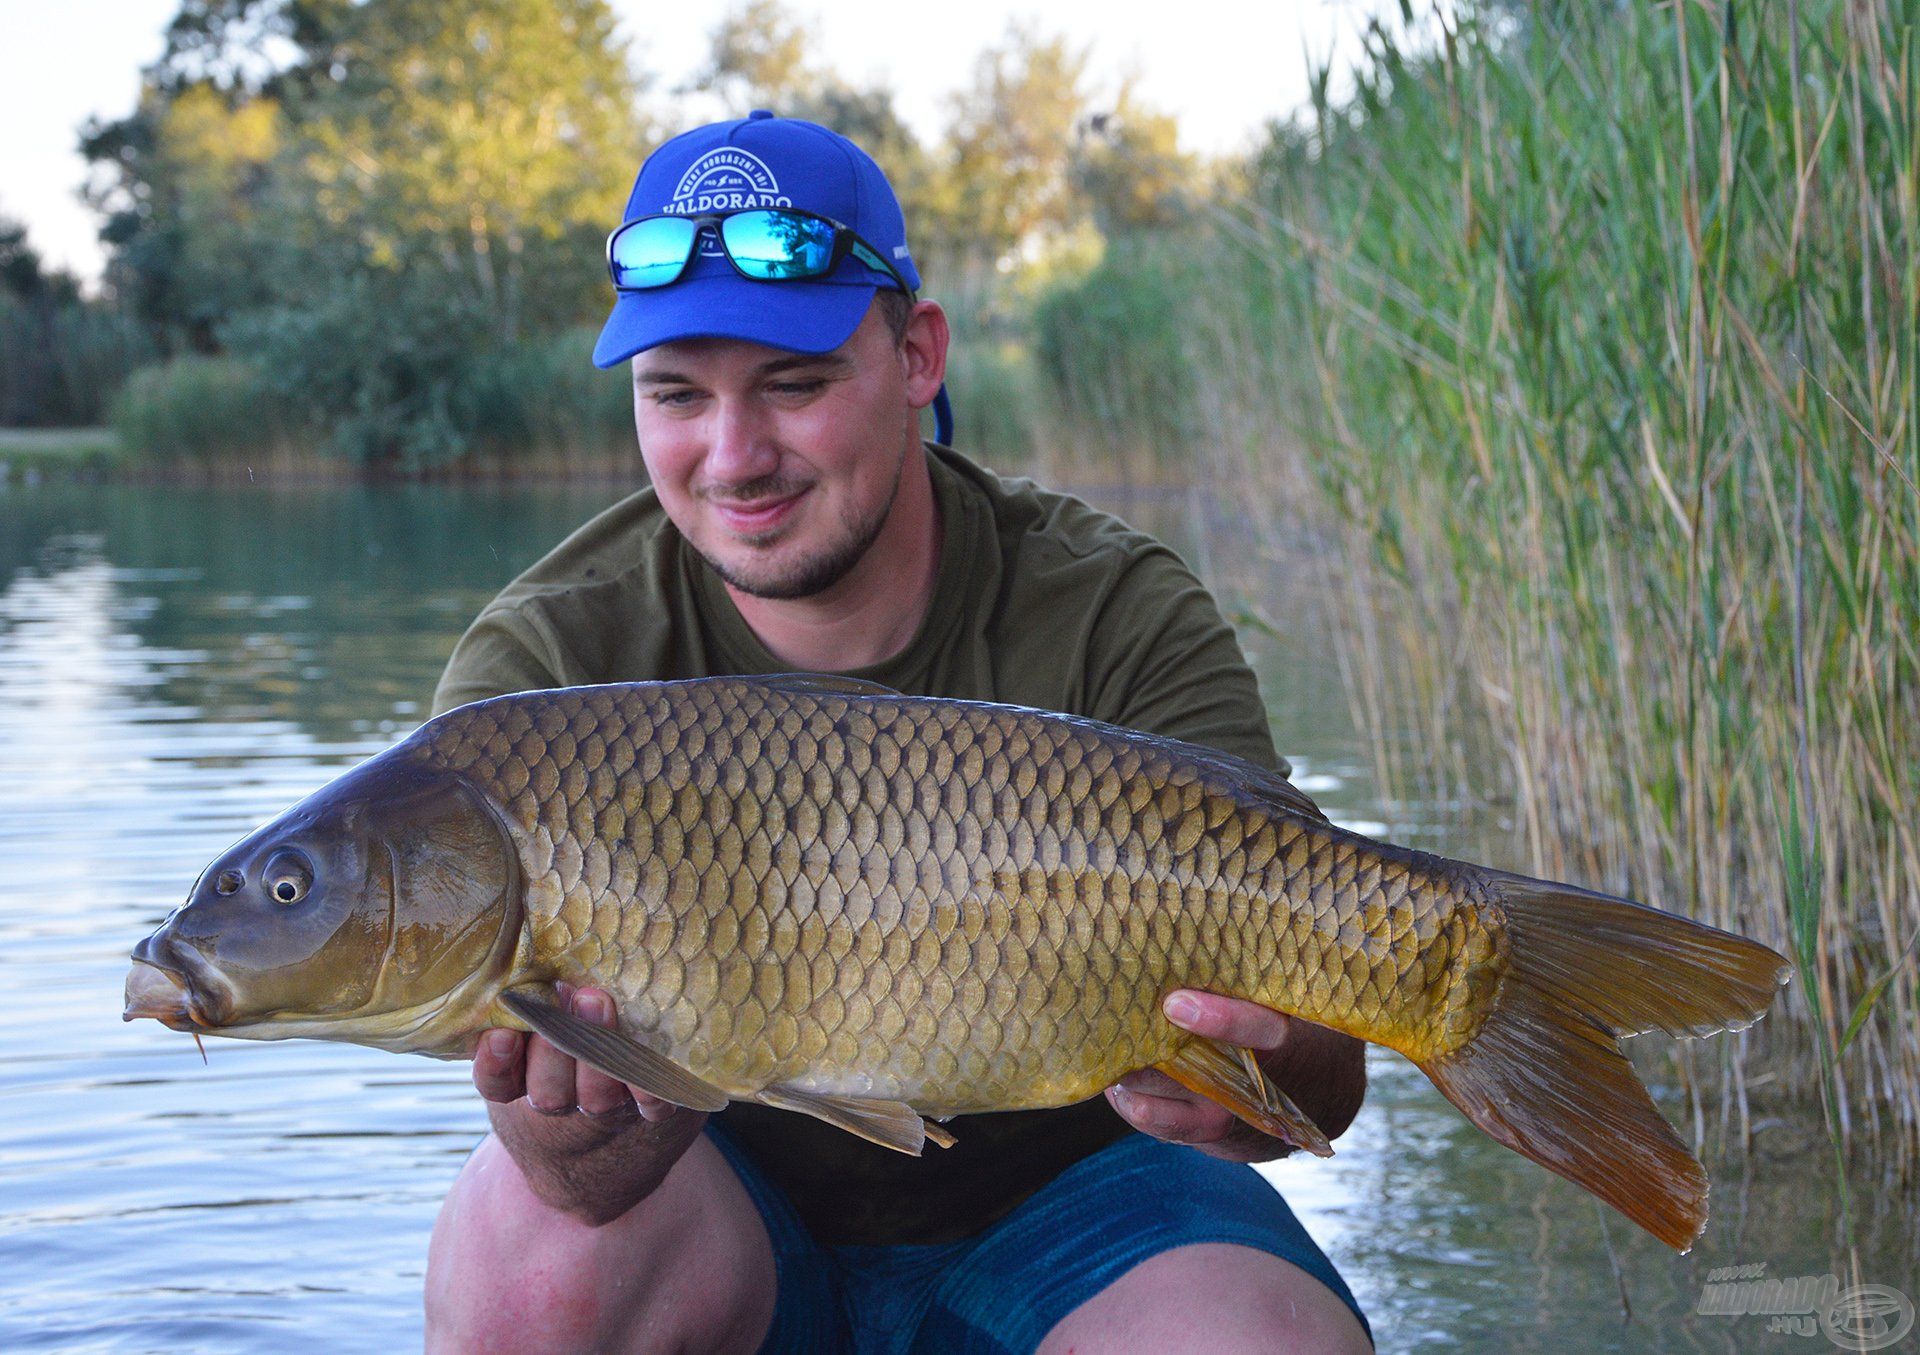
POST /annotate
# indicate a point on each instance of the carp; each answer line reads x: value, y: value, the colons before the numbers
x: 881, y: 910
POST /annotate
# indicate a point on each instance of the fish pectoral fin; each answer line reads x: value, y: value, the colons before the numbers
x: 615, y: 1054
x: 891, y: 1124
x: 1231, y: 1076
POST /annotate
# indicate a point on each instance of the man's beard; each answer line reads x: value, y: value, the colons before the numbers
x: 812, y: 574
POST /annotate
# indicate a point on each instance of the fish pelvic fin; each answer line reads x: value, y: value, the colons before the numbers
x: 1545, y: 1074
x: 891, y: 1124
x: 1230, y: 1076
x: 615, y: 1054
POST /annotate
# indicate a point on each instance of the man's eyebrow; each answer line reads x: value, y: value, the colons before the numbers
x: 834, y: 362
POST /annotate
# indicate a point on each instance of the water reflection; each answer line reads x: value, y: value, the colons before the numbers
x: 175, y: 666
x: 178, y: 665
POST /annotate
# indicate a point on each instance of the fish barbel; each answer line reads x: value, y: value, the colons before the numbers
x: 821, y: 895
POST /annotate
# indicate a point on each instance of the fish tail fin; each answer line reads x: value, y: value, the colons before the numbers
x: 1545, y: 1075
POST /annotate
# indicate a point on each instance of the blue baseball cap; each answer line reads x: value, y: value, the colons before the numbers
x: 759, y: 161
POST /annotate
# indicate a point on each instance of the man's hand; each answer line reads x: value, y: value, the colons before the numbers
x: 588, y: 1144
x: 1320, y: 1070
x: 509, y: 1065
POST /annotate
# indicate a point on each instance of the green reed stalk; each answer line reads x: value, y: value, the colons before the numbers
x: 1590, y: 336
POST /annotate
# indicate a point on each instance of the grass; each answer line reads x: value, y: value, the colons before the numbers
x: 1591, y: 341
x: 58, y: 446
x: 59, y: 452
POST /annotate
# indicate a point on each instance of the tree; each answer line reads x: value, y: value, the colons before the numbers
x: 184, y: 205
x: 61, y: 356
x: 1005, y: 172
x: 483, y: 142
x: 1128, y: 166
x: 762, y: 56
x: 368, y: 197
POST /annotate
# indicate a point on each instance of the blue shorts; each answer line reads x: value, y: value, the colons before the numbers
x: 1002, y: 1291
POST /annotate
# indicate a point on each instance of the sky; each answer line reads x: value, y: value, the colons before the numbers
x: 1223, y: 69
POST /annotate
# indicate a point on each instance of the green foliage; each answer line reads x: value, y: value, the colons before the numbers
x: 183, y: 188
x: 197, y: 408
x: 1006, y: 171
x: 996, y: 401
x: 1114, y: 349
x: 545, y: 396
x: 419, y: 188
x: 761, y: 55
x: 1129, y: 170
x: 1033, y: 155
x: 392, y: 207
x: 1601, y: 330
x: 487, y: 144
x: 61, y: 356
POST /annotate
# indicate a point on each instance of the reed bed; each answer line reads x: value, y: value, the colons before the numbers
x: 1589, y: 337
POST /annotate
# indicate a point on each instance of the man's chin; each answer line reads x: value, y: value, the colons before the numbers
x: 775, y: 569
x: 805, y: 579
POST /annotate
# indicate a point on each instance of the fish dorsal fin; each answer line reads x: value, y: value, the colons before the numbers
x: 615, y: 1054
x: 1230, y: 1076
x: 824, y: 684
x: 891, y: 1124
x: 1263, y: 782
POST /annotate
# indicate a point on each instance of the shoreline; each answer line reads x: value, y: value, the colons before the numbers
x: 31, y: 456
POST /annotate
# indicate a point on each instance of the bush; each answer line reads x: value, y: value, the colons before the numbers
x: 1589, y: 337
x: 61, y: 361
x: 199, y: 408
x: 545, y: 398
x: 995, y: 401
x: 1115, y: 347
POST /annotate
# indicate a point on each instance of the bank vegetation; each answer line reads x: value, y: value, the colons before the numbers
x: 1588, y: 338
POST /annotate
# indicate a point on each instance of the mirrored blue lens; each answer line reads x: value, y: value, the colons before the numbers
x: 773, y: 244
x: 652, y: 253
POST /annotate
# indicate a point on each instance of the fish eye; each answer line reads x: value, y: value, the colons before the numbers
x: 229, y: 882
x: 288, y: 877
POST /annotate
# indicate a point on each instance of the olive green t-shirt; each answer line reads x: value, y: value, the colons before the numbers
x: 1040, y: 601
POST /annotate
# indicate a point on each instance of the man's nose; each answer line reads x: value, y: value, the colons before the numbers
x: 742, y: 446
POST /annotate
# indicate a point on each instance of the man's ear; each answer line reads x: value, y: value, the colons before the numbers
x: 924, y: 347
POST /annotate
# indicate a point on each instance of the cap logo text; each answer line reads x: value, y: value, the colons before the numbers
x: 725, y: 180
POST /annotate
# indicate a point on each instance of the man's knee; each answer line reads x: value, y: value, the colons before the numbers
x: 688, y: 1268
x: 1212, y: 1297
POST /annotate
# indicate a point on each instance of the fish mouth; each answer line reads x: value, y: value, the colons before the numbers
x: 160, y: 987
x: 153, y: 992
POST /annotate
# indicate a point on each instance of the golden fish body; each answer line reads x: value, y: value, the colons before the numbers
x: 824, y: 896
x: 960, y: 906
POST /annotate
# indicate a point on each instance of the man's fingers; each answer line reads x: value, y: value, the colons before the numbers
x: 1153, y: 1082
x: 652, y: 1108
x: 594, y: 1091
x: 508, y: 1065
x: 1172, y: 1120
x: 499, y: 1065
x: 550, y: 1078
x: 1227, y: 1019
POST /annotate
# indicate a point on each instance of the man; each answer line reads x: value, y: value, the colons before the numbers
x: 797, y: 522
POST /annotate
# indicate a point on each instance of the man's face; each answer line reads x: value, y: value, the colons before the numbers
x: 780, y: 468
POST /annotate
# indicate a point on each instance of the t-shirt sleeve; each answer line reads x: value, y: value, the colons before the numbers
x: 505, y: 650
x: 1162, y: 658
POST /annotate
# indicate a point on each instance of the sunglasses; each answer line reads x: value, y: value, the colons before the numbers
x: 770, y: 244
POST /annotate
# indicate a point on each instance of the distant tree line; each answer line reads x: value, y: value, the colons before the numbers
x: 388, y: 214
x: 60, y: 355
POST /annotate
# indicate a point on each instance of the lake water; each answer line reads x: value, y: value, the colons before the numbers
x: 177, y: 665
